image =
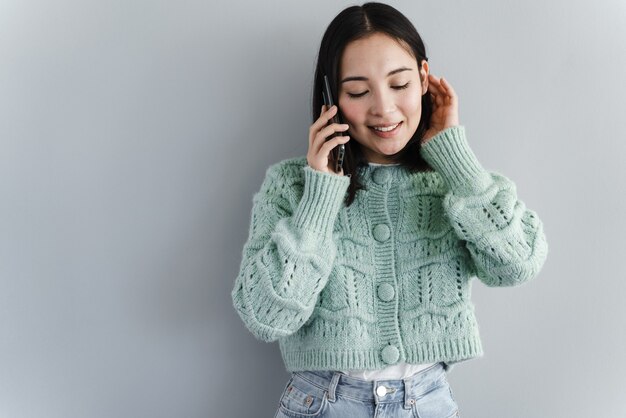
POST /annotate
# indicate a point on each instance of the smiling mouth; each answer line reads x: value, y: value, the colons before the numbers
x: 388, y: 131
x: 386, y: 128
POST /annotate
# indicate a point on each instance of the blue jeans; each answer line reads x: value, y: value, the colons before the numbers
x: 329, y: 394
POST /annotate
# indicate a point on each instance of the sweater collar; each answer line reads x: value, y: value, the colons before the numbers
x: 401, y: 175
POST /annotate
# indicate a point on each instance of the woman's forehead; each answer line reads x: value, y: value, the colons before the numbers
x: 375, y: 54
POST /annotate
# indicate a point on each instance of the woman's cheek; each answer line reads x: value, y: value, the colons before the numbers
x: 413, y: 103
x: 351, y: 115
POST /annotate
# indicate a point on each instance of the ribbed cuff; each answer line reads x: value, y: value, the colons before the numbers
x: 321, y: 201
x: 449, y: 153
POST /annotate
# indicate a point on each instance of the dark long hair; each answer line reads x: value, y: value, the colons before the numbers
x: 354, y: 23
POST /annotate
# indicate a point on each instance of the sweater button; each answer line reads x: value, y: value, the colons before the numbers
x: 381, y: 232
x: 390, y: 354
x: 386, y: 292
x: 381, y: 176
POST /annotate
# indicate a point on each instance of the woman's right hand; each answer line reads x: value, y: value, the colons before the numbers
x: 318, y: 156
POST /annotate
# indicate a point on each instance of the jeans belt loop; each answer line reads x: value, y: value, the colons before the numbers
x: 333, y: 385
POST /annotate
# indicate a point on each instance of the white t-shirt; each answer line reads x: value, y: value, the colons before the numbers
x: 395, y: 371
x: 377, y: 164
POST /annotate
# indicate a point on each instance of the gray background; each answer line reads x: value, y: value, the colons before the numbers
x: 134, y: 135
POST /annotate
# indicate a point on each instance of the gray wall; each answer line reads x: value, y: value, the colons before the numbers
x: 134, y: 134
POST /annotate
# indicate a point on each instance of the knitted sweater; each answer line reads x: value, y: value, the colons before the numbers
x: 388, y: 278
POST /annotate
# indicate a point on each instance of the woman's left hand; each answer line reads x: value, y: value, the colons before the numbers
x: 445, y: 106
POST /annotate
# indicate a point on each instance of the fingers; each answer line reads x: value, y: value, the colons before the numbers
x: 320, y: 126
x: 448, y: 88
x: 440, y: 85
x: 433, y: 84
x: 325, y: 116
x: 327, y: 146
x: 441, y: 91
x: 320, y: 146
x: 435, y: 90
x: 321, y: 159
x: 321, y: 136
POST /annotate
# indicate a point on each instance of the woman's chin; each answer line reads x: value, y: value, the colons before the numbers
x: 385, y: 147
x: 391, y: 148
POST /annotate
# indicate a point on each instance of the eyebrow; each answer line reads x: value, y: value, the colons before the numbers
x: 361, y: 78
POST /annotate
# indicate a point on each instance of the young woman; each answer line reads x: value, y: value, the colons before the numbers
x: 363, y: 274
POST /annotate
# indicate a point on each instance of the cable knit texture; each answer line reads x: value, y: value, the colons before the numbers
x: 387, y: 279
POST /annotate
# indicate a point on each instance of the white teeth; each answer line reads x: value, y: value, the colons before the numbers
x: 387, y: 128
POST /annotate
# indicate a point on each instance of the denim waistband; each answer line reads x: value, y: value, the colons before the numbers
x: 400, y: 390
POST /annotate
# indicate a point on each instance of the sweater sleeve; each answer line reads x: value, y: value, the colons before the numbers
x: 289, y: 254
x: 505, y: 239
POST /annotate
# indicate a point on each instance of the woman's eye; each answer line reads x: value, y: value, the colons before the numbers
x: 401, y: 87
x: 357, y: 94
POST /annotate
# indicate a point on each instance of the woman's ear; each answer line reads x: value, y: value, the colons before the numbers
x: 424, y: 76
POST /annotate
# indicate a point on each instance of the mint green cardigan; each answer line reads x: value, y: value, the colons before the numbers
x: 388, y: 278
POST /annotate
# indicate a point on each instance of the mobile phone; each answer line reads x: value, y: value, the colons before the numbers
x: 339, y: 151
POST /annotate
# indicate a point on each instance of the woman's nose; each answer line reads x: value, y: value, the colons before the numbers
x: 382, y: 104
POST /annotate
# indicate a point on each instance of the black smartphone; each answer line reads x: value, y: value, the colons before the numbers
x: 339, y: 151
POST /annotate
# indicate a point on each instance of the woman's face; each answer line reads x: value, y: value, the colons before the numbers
x: 380, y: 89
